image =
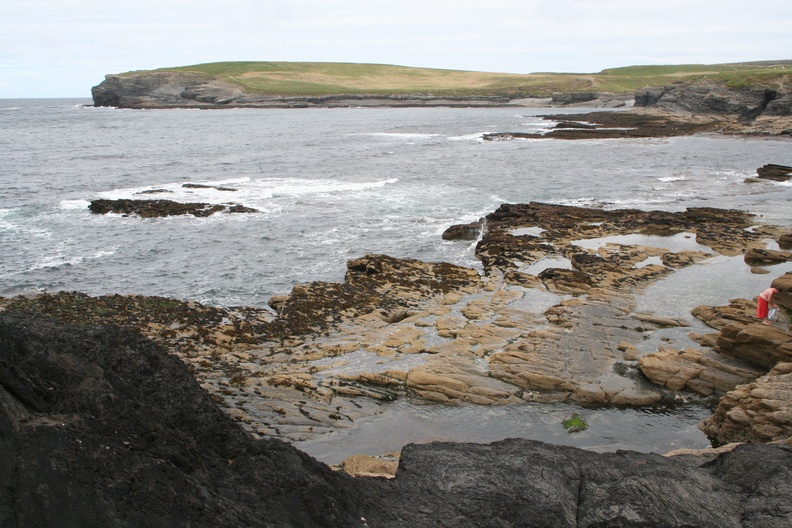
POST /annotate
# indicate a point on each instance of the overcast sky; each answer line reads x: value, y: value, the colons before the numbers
x: 61, y: 48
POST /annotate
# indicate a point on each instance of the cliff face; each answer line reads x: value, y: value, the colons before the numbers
x: 709, y: 97
x: 163, y: 89
x: 187, y: 90
x: 100, y: 427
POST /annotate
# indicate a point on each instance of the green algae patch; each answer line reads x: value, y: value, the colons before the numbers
x: 575, y: 424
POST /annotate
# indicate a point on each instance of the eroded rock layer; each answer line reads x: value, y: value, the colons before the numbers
x: 449, y: 334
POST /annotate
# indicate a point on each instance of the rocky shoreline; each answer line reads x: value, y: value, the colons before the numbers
x: 101, y: 427
x: 101, y: 414
x: 138, y: 410
x: 458, y: 336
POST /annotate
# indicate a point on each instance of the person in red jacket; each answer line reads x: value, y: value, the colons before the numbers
x: 766, y: 302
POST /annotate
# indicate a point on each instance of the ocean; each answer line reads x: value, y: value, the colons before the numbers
x: 331, y: 185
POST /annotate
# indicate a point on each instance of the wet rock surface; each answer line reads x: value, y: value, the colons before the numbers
x: 162, y: 208
x: 649, y: 122
x: 611, y: 125
x: 329, y: 354
x: 775, y: 172
x: 101, y: 427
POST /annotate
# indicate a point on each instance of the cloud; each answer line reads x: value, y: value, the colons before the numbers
x: 88, y: 38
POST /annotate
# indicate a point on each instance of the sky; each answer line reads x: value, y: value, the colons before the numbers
x: 61, y: 48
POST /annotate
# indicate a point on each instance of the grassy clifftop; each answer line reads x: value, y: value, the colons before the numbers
x: 330, y: 78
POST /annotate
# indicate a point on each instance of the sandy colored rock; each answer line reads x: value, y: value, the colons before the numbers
x: 371, y: 466
x: 449, y: 380
x: 759, y: 412
x: 701, y: 371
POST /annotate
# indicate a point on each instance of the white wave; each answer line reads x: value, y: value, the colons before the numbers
x: 257, y: 193
x: 74, y: 204
x: 671, y: 178
x: 270, y: 188
x: 58, y: 260
x: 477, y: 136
x: 399, y: 135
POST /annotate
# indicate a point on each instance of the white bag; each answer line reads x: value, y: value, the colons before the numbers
x: 772, y: 314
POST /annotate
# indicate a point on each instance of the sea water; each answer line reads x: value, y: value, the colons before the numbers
x: 332, y: 185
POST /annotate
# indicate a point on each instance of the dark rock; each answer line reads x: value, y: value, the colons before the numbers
x: 648, y: 96
x: 162, y: 89
x: 574, y: 97
x: 469, y: 231
x: 775, y: 172
x: 102, y: 428
x: 712, y: 97
x: 610, y: 125
x: 162, y: 208
x: 529, y: 484
x: 202, y: 186
x: 766, y: 257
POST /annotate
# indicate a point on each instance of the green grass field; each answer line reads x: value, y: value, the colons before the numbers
x: 333, y: 78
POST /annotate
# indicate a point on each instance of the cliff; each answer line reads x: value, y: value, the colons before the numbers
x: 769, y: 99
x: 190, y: 90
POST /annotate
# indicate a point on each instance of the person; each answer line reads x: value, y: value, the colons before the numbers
x: 766, y: 302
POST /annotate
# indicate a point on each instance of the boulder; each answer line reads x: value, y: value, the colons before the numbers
x: 470, y: 231
x: 573, y: 97
x: 784, y: 286
x: 522, y: 483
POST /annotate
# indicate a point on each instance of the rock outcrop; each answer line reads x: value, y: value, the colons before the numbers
x: 748, y: 364
x: 162, y: 208
x: 163, y: 89
x: 441, y: 332
x: 711, y: 97
x: 100, y: 427
x: 446, y: 333
x: 773, y: 171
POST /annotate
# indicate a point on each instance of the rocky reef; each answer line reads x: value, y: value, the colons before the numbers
x: 162, y: 208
